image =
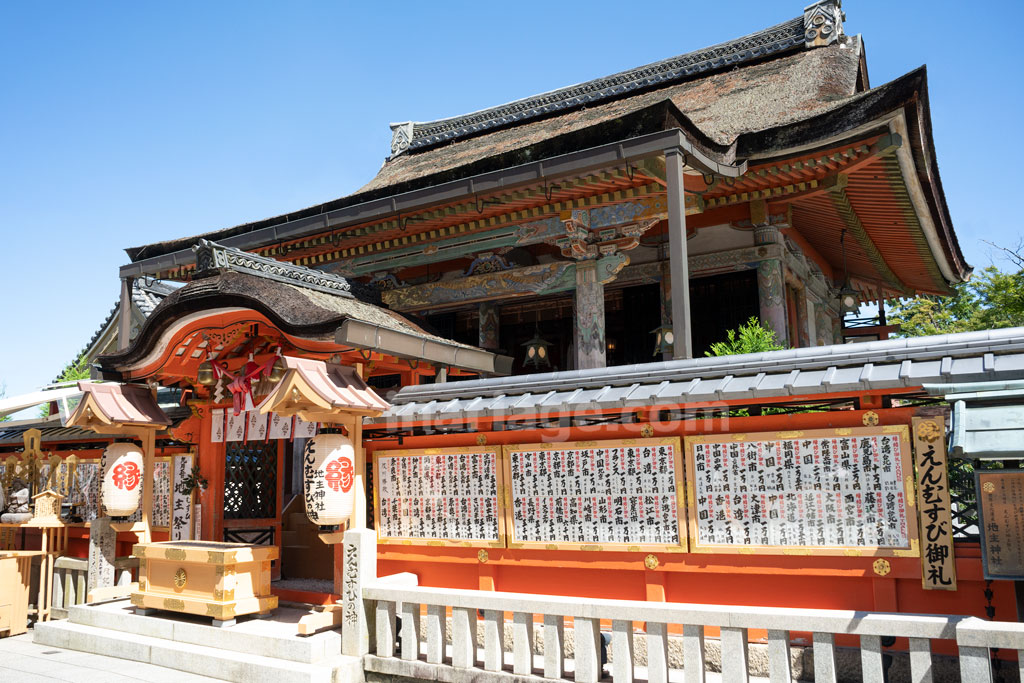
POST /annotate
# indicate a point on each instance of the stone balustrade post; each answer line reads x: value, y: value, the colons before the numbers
x: 359, y: 569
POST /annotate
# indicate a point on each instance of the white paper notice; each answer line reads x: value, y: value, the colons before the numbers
x: 217, y: 425
x: 257, y: 426
x: 236, y: 426
x: 280, y: 427
x: 303, y: 429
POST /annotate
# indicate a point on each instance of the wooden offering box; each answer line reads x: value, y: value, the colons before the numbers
x: 219, y: 580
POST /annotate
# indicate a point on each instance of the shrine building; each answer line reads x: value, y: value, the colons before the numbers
x: 506, y: 329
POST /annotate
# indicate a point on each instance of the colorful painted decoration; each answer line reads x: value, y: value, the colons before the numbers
x: 328, y: 479
x: 122, y: 479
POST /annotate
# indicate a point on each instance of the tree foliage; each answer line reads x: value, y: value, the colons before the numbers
x: 751, y: 337
x: 989, y: 300
x: 76, y: 370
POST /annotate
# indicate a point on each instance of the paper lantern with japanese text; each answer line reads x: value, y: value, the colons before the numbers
x: 122, y: 479
x: 328, y: 479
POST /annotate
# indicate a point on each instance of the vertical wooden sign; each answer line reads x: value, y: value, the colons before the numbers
x: 181, y: 507
x: 938, y: 564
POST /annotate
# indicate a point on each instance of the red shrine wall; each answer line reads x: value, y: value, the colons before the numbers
x: 804, y: 580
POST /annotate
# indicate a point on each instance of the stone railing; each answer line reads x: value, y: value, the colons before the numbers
x: 71, y: 580
x: 370, y: 630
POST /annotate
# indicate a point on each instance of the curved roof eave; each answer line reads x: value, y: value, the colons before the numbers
x: 901, y: 105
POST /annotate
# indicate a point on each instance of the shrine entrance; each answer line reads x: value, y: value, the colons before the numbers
x: 264, y: 353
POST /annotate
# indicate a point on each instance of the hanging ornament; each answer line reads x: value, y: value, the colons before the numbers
x: 664, y: 339
x: 328, y: 479
x: 122, y: 479
x: 537, y: 351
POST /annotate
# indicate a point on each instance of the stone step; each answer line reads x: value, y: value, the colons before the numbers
x: 275, y: 637
x: 195, y: 659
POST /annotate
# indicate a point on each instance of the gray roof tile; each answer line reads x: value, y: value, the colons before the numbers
x: 942, y: 359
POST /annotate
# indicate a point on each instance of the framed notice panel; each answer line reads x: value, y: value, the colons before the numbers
x: 826, y: 491
x: 439, y: 496
x: 596, y: 495
x: 1001, y: 518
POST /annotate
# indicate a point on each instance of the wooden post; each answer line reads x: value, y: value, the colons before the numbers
x: 124, y: 327
x: 356, y: 435
x: 679, y: 266
x: 148, y: 467
x: 589, y: 305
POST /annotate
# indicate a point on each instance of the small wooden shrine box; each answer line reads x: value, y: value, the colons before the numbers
x: 219, y: 580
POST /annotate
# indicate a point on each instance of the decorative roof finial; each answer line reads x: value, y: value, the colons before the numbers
x: 823, y: 23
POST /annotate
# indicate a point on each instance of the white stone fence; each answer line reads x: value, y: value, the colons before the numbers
x: 70, y: 580
x: 372, y: 605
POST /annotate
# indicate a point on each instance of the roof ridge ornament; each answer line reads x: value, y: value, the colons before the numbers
x: 401, y: 136
x: 214, y: 259
x: 823, y: 22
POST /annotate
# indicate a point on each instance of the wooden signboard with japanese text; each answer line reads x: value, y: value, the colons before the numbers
x: 822, y: 492
x: 938, y: 564
x: 160, y: 518
x: 439, y: 496
x: 1001, y: 521
x: 596, y: 495
x: 181, y: 503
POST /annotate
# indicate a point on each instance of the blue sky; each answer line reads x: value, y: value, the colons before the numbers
x: 124, y: 123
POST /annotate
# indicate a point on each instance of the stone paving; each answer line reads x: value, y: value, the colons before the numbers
x: 22, y: 661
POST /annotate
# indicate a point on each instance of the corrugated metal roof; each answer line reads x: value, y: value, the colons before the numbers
x: 990, y: 355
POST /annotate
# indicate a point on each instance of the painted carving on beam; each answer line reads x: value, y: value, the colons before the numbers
x: 626, y: 212
x: 535, y: 232
x: 578, y: 223
x: 384, y: 281
x: 582, y: 243
x: 541, y: 279
x: 488, y: 262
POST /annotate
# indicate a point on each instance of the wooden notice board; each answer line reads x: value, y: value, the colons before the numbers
x: 824, y: 492
x: 1001, y: 521
x: 596, y: 495
x: 439, y: 496
x: 938, y: 561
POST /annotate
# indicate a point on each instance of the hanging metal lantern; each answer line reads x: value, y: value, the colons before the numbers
x: 328, y: 480
x: 122, y: 479
x: 848, y: 299
x: 664, y: 339
x: 537, y: 352
x: 205, y: 375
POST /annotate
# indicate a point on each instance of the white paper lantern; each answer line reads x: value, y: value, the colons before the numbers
x: 122, y: 479
x: 328, y: 479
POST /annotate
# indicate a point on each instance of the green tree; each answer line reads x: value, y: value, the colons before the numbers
x: 76, y: 370
x: 989, y: 300
x: 751, y: 337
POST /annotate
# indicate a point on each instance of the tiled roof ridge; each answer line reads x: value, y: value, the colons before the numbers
x: 959, y: 344
x: 821, y: 23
